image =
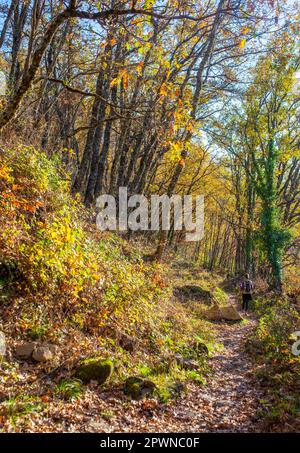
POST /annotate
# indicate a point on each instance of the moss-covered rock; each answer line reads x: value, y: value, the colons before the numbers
x: 137, y: 388
x: 230, y: 313
x: 95, y: 369
x: 132, y: 387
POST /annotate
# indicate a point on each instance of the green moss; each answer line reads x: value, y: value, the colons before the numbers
x: 132, y: 386
x: 137, y: 387
x: 95, y: 369
x: 220, y: 296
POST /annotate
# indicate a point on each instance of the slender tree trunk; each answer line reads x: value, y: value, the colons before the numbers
x: 83, y: 171
x: 164, y: 234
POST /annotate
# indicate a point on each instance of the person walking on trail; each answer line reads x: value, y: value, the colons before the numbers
x: 246, y: 290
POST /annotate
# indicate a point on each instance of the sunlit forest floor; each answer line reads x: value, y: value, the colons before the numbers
x: 229, y: 399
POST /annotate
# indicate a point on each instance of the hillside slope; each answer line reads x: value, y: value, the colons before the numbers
x: 83, y: 294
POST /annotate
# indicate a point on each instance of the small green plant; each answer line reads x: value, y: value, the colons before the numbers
x: 21, y: 405
x: 69, y: 389
x: 245, y: 321
x: 37, y: 332
x: 195, y: 376
x: 144, y: 370
x: 163, y: 394
x: 106, y: 414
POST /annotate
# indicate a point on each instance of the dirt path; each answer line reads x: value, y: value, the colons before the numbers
x: 227, y: 404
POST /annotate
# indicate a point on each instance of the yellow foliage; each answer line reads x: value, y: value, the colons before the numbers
x: 242, y: 43
x: 58, y: 262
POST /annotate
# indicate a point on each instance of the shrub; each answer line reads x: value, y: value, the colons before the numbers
x: 63, y: 266
x: 41, y: 229
x: 278, y: 322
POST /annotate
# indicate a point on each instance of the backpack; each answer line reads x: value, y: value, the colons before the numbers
x: 247, y: 286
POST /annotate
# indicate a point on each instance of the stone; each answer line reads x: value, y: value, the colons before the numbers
x: 95, y: 369
x: 25, y: 350
x: 213, y: 313
x: 42, y: 354
x: 127, y: 343
x: 2, y: 345
x: 227, y: 313
x: 53, y: 348
x: 39, y: 352
x: 98, y: 427
x: 138, y: 388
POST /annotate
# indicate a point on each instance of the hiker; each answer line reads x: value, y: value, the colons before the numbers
x: 246, y: 287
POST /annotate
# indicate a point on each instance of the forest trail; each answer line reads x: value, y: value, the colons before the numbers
x: 229, y: 401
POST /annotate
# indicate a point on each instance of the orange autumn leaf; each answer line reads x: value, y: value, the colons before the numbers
x: 29, y: 208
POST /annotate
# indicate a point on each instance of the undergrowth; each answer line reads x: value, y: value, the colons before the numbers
x: 64, y: 282
x: 277, y: 367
